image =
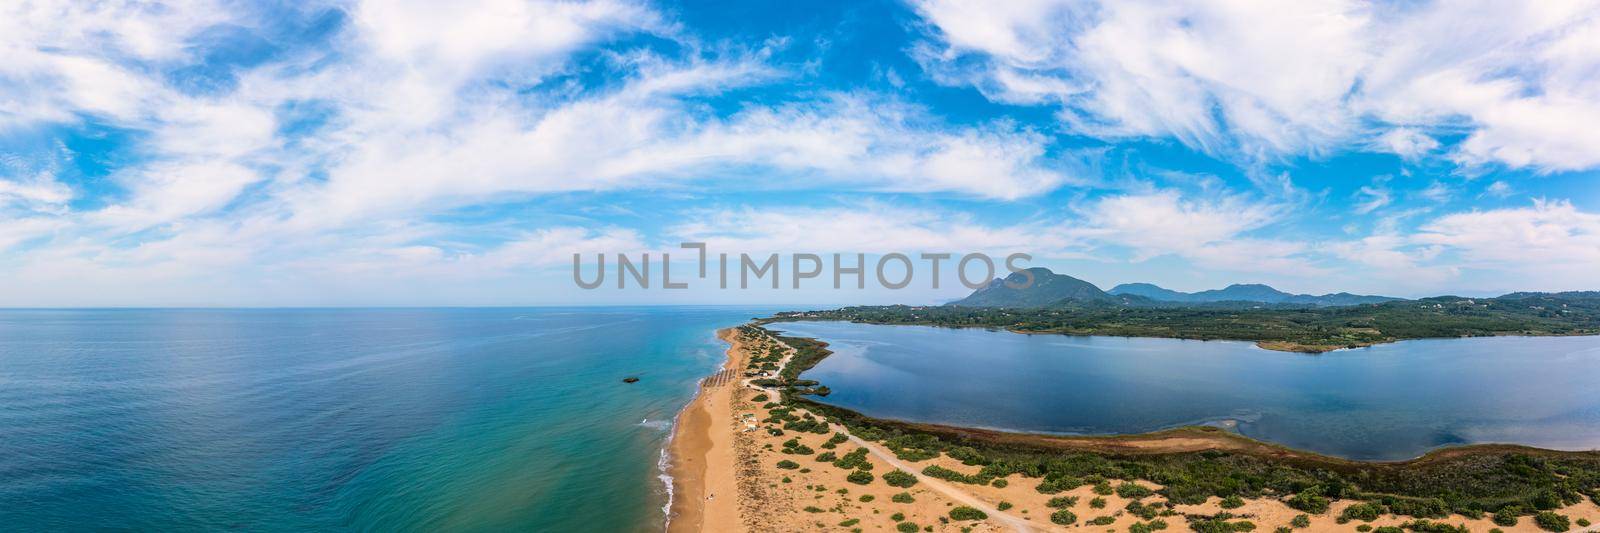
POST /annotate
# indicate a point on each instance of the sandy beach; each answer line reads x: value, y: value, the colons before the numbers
x: 702, y: 459
x: 736, y: 467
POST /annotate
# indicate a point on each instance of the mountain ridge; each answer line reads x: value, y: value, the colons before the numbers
x: 1051, y: 289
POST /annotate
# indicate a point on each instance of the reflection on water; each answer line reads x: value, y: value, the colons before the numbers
x: 1392, y: 401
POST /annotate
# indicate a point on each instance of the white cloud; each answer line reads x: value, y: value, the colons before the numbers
x: 1555, y: 244
x: 873, y: 229
x: 1211, y: 232
x: 1248, y: 78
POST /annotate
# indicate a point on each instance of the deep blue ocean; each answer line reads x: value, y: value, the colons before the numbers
x: 376, y: 420
x: 1391, y: 401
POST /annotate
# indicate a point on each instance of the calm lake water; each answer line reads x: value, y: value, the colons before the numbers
x: 1392, y: 401
x: 370, y: 420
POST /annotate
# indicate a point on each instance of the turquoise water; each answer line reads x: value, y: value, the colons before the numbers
x: 385, y: 420
x: 1391, y: 401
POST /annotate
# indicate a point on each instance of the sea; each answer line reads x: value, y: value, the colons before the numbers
x: 511, y: 419
x: 495, y: 419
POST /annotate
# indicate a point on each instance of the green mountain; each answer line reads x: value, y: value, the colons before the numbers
x: 1048, y: 288
x: 1245, y: 293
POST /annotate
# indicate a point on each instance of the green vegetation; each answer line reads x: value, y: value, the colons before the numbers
x: 1233, y: 501
x: 1297, y: 328
x: 1549, y: 521
x: 867, y: 498
x: 850, y: 522
x: 906, y: 527
x: 1133, y: 491
x: 1300, y: 521
x: 1003, y: 506
x: 899, y: 478
x: 826, y: 457
x: 962, y: 512
x: 1000, y: 483
x: 788, y: 465
x: 1102, y: 521
x: 1063, y: 517
x: 903, y: 497
x: 1474, y: 481
x: 1220, y: 524
x: 1062, y: 501
x: 859, y: 477
x: 1147, y: 527
x: 1097, y: 503
x: 1365, y: 512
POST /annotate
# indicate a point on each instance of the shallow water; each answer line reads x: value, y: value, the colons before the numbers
x: 393, y: 419
x: 1392, y: 401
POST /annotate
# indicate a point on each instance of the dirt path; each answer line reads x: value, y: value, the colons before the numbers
x: 939, y: 485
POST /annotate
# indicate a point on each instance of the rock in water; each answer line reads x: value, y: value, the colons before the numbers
x: 630, y: 379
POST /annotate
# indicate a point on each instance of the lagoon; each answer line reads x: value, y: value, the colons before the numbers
x: 1388, y: 402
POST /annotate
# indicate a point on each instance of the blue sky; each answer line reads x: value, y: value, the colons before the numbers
x: 410, y: 153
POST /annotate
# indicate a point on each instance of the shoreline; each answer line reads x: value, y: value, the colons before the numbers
x: 1269, y: 345
x: 698, y: 456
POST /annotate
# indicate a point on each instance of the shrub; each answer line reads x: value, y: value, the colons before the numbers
x: 897, y: 517
x: 867, y: 498
x: 1388, y: 529
x: 859, y: 477
x: 813, y: 509
x: 1000, y: 483
x: 1139, y: 509
x: 826, y: 457
x: 1102, y: 521
x: 1283, y: 529
x: 1582, y: 522
x: 1300, y: 521
x: 906, y: 527
x: 1003, y: 506
x: 899, y: 478
x: 1151, y: 527
x: 850, y: 522
x: 788, y: 465
x: 1507, y: 516
x: 904, y: 497
x: 759, y: 397
x: 1310, y: 500
x: 1364, y: 528
x: 967, y: 456
x: 1365, y: 512
x: 1549, y: 521
x: 1062, y: 501
x: 1232, y: 502
x: 1103, y: 488
x: 963, y: 512
x: 1097, y: 503
x: 854, y: 459
x: 1063, y: 517
x: 1131, y: 490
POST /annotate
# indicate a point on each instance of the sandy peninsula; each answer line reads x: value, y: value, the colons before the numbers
x: 741, y: 461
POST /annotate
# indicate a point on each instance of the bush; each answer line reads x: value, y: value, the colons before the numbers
x: 1549, y: 521
x: 1132, y: 491
x: 1388, y: 529
x: 1139, y: 509
x: 867, y: 498
x: 826, y: 457
x: 1000, y: 483
x: 1232, y: 502
x: 1003, y: 506
x: 850, y: 522
x: 1063, y: 517
x: 904, y: 497
x: 906, y: 527
x: 1102, y: 521
x: 813, y: 509
x: 1062, y: 501
x: 859, y: 477
x: 963, y: 512
x: 1300, y: 521
x: 1310, y: 500
x: 897, y: 517
x: 1151, y: 527
x: 1507, y: 516
x: 854, y: 459
x: 899, y: 478
x: 1103, y: 488
x: 759, y: 397
x: 1365, y: 512
x: 1097, y: 503
x: 788, y: 465
x: 1582, y: 522
x: 1364, y: 528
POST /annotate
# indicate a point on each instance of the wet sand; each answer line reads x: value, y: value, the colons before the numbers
x: 702, y: 459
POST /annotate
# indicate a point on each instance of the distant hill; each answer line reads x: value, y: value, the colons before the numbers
x: 1245, y: 293
x: 1048, y: 288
